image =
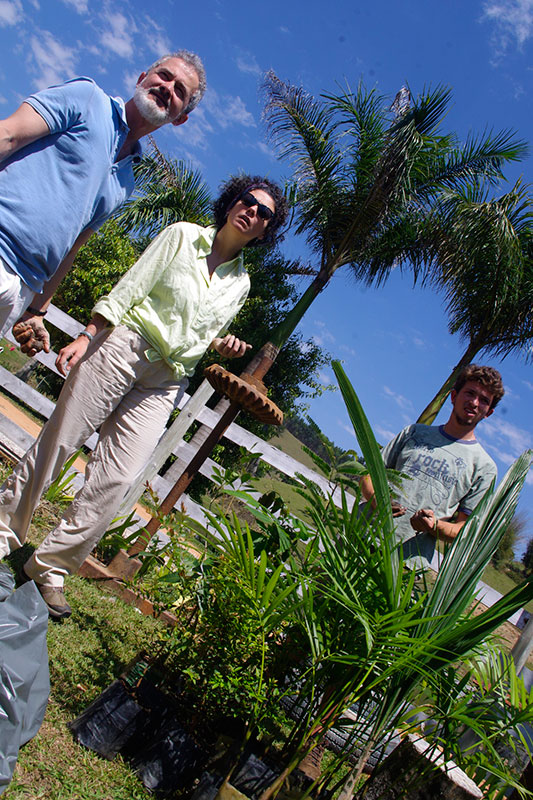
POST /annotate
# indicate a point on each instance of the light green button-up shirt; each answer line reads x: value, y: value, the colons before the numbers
x: 168, y: 298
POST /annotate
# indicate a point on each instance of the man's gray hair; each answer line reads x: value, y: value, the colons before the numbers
x: 193, y: 61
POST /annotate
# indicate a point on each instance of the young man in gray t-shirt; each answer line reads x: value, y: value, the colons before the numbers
x: 449, y: 470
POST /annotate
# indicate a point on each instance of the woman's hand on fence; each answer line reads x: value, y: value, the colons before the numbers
x: 31, y: 334
x: 71, y: 354
x: 230, y: 346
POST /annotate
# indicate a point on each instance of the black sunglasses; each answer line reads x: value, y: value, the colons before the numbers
x: 264, y: 212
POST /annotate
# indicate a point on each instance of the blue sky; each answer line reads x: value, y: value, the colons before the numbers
x: 393, y: 341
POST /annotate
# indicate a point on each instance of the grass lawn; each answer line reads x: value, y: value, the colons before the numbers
x: 502, y: 583
x: 289, y: 495
x: 86, y: 652
x: 293, y: 447
x: 10, y: 357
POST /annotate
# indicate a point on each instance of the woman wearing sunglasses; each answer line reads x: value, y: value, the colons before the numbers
x: 127, y: 370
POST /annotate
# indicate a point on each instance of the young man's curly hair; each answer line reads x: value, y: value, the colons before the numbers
x: 233, y: 188
x: 488, y: 377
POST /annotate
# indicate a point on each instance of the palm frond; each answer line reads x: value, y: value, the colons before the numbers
x: 167, y: 191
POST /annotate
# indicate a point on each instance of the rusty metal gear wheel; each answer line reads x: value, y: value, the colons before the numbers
x: 246, y: 391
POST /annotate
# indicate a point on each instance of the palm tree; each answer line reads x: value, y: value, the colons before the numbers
x: 367, y: 175
x: 484, y: 250
x: 167, y: 191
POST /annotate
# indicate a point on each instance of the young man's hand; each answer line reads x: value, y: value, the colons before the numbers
x: 397, y: 509
x: 423, y: 520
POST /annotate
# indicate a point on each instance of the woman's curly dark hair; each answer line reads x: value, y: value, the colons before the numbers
x: 230, y: 191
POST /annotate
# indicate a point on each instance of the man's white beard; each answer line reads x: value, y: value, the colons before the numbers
x: 148, y: 108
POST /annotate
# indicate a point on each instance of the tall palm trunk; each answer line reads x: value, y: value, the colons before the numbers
x: 283, y: 331
x: 432, y: 409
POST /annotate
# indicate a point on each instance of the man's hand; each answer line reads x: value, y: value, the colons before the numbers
x: 31, y: 334
x: 367, y: 490
x: 71, y: 354
x: 397, y: 509
x: 423, y: 521
x: 230, y: 346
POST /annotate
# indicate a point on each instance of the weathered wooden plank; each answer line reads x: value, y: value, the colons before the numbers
x: 170, y: 438
x: 26, y: 393
x: 33, y: 399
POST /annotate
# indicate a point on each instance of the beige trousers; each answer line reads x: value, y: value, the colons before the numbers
x: 113, y: 387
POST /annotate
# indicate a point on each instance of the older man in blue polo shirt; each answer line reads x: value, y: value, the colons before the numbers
x: 66, y: 158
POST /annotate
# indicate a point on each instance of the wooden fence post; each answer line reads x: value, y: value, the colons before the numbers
x: 166, y: 445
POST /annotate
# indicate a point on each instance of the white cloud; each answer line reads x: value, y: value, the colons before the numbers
x: 53, y: 61
x: 266, y: 150
x: 325, y: 378
x: 227, y: 110
x: 247, y: 63
x: 130, y: 81
x: 349, y: 350
x: 118, y: 37
x: 507, y: 458
x: 511, y: 394
x: 159, y: 44
x: 10, y: 12
x: 215, y: 111
x: 324, y: 336
x: 399, y: 399
x: 190, y: 156
x: 504, y: 456
x: 385, y: 434
x: 2, y: 99
x: 513, y: 23
x: 196, y: 131
x: 156, y: 37
x: 347, y: 428
x: 283, y: 29
x: 238, y: 113
x: 529, y: 385
x: 81, y: 6
x: 505, y: 441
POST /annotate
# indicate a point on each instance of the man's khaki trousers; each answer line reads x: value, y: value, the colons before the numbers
x: 114, y: 388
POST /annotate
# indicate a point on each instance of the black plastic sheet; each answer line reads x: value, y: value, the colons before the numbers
x: 109, y: 723
x: 172, y: 760
x: 142, y: 725
x: 253, y: 777
x: 24, y: 676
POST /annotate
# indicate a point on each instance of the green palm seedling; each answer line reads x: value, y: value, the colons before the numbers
x: 374, y: 631
x: 353, y: 626
x: 478, y: 718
